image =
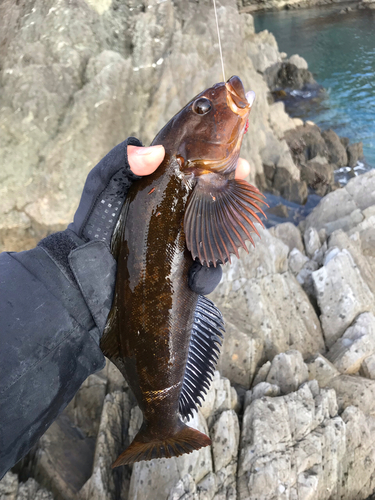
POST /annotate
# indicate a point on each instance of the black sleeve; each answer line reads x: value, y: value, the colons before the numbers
x: 48, y: 347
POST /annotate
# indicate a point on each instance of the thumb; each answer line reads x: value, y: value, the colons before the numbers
x: 144, y: 161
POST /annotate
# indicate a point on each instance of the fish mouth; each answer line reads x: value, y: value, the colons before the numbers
x: 239, y: 101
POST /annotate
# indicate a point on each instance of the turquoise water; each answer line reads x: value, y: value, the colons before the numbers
x: 340, y: 51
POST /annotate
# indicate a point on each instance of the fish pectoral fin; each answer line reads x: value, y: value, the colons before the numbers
x: 204, y: 350
x: 183, y: 440
x: 220, y: 216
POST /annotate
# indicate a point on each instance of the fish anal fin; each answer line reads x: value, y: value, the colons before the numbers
x: 220, y: 216
x: 185, y: 440
x: 205, y: 341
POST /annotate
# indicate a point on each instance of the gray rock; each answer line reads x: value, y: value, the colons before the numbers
x: 357, y: 391
x: 312, y: 241
x: 336, y: 151
x: 240, y: 356
x: 285, y: 75
x: 289, y: 234
x: 321, y: 370
x: 288, y: 371
x: 279, y: 210
x: 368, y: 367
x: 358, y: 342
x: 354, y: 152
x: 261, y: 390
x: 31, y: 490
x: 225, y: 435
x: 341, y: 293
x: 262, y: 373
x: 298, y: 61
x: 296, y: 261
x: 9, y: 487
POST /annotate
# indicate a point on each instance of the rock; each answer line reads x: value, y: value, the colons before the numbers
x: 290, y: 189
x: 220, y: 397
x: 296, y: 261
x: 336, y: 151
x: 312, y: 241
x: 288, y: 371
x: 318, y: 176
x: 289, y: 234
x: 341, y: 293
x: 298, y: 61
x: 368, y: 367
x: 287, y: 445
x: 264, y: 51
x: 362, y: 189
x: 9, y: 486
x: 352, y: 390
x: 279, y: 210
x: 67, y: 445
x: 354, y: 152
x: 304, y: 278
x: 357, y: 343
x: 112, y: 440
x: 225, y: 436
x: 239, y: 356
x: 306, y: 143
x: 261, y: 390
x: 285, y: 75
x: 262, y: 373
x: 31, y: 490
x: 322, y: 370
x: 280, y: 122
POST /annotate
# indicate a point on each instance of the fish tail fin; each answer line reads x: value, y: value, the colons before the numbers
x: 184, y: 440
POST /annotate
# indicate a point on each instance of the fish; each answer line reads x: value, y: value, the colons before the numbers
x: 165, y: 338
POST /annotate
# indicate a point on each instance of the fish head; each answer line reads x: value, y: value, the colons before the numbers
x: 206, y: 135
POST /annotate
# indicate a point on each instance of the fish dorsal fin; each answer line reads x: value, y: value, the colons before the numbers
x: 204, y: 349
x: 220, y: 216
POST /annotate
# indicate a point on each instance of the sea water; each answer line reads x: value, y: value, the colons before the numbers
x: 340, y: 51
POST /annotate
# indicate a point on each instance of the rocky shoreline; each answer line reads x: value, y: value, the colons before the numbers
x: 249, y: 6
x: 291, y: 409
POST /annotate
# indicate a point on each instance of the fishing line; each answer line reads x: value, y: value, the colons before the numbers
x: 218, y: 36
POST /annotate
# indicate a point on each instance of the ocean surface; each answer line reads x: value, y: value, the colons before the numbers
x: 340, y: 51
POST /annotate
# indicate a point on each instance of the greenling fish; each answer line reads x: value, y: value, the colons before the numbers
x: 162, y: 336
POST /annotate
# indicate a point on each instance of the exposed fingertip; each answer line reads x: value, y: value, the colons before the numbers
x: 144, y: 161
x: 243, y: 169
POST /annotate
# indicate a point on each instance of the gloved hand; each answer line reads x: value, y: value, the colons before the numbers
x: 82, y: 252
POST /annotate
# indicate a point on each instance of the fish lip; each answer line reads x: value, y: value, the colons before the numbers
x: 236, y: 100
x: 250, y: 96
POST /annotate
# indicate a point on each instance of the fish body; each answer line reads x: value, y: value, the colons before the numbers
x: 161, y: 335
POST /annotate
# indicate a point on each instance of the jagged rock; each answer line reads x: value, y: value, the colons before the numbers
x: 260, y: 391
x: 288, y: 371
x: 220, y: 397
x: 9, y: 487
x: 354, y: 152
x: 357, y: 343
x: 336, y: 151
x: 298, y: 61
x: 320, y: 177
x: 287, y: 440
x: 341, y: 293
x: 289, y: 188
x: 279, y: 210
x: 225, y: 435
x: 264, y: 52
x: 289, y: 234
x: 357, y: 391
x: 306, y: 143
x: 285, y: 75
x: 322, y: 370
x: 86, y: 407
x: 344, y: 208
x: 67, y: 445
x: 31, y: 490
x: 312, y: 241
x: 240, y: 356
x: 262, y: 373
x: 105, y: 483
x: 296, y: 261
x: 368, y: 367
x: 280, y: 122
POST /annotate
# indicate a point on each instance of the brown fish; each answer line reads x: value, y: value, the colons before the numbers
x: 162, y: 336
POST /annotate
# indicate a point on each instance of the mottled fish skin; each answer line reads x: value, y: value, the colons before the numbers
x: 149, y: 328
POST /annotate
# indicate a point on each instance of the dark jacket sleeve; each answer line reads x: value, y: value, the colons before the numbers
x: 48, y: 347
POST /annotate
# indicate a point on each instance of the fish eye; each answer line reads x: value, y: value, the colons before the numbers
x: 202, y: 106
